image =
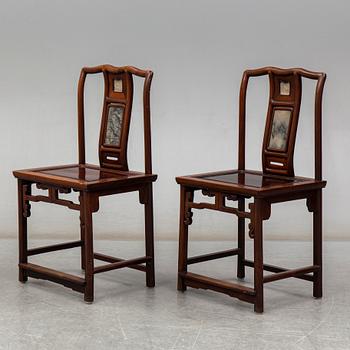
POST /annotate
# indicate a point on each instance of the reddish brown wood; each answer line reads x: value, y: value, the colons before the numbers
x: 258, y: 255
x: 23, y: 213
x: 123, y: 98
x: 277, y: 269
x: 317, y: 244
x: 112, y: 176
x: 54, y: 247
x: 111, y: 259
x: 291, y: 273
x: 66, y: 279
x: 199, y: 281
x: 276, y: 183
x: 120, y: 264
x: 241, y: 240
x: 185, y: 220
x: 82, y: 237
x: 292, y: 74
x: 149, y: 234
x: 212, y: 256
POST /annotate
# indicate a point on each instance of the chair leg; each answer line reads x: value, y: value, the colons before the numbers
x: 258, y: 256
x: 149, y: 237
x: 317, y: 244
x: 82, y: 237
x: 183, y: 236
x: 241, y: 241
x: 86, y: 213
x: 23, y: 213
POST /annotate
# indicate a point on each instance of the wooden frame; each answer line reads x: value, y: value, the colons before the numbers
x: 112, y: 176
x: 275, y: 184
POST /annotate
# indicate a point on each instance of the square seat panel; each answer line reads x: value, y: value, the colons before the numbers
x: 83, y: 177
x: 249, y: 182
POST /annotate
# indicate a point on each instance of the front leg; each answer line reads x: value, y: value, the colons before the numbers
x: 24, y: 189
x: 185, y: 220
x: 260, y: 211
x: 241, y: 240
x: 314, y: 204
x: 86, y: 211
x: 146, y: 198
x: 82, y: 234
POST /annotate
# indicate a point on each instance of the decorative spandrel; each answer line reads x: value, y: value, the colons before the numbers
x: 279, y: 131
x: 114, y: 125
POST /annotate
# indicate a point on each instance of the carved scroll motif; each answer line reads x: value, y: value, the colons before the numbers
x: 52, y: 197
x: 251, y: 224
x: 26, y: 205
x: 188, y: 211
x: 265, y: 215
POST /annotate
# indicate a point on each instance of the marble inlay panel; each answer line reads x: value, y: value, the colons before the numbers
x: 279, y: 130
x: 114, y: 125
x: 118, y: 85
x: 285, y: 88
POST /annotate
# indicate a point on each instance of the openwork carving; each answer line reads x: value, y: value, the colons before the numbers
x: 219, y: 205
x: 188, y: 217
x: 188, y: 211
x: 53, y: 197
x: 208, y: 193
x: 251, y: 224
x: 26, y: 205
x: 232, y: 197
x: 265, y: 215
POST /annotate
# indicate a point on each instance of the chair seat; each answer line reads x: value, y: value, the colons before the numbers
x: 249, y: 182
x: 83, y: 177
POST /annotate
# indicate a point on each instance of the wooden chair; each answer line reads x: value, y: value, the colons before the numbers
x: 274, y: 184
x: 112, y: 176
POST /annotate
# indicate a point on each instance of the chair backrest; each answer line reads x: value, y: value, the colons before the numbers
x: 282, y: 118
x: 116, y: 114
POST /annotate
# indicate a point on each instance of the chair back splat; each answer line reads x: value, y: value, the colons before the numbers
x: 282, y: 119
x: 116, y: 114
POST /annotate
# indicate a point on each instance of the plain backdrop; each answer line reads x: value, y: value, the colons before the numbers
x: 198, y: 51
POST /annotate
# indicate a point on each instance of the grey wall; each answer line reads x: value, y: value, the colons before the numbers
x: 198, y: 50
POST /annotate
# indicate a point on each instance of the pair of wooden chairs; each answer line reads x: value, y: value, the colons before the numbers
x: 275, y: 183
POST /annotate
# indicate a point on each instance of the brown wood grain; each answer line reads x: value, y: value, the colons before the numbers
x: 92, y: 181
x: 274, y: 184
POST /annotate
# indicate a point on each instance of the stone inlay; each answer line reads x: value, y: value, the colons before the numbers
x: 285, y: 88
x: 114, y: 125
x: 118, y: 85
x: 279, y: 130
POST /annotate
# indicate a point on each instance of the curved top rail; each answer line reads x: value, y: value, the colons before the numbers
x: 284, y: 71
x: 112, y: 69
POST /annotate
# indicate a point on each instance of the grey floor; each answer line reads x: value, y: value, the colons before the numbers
x: 127, y: 315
